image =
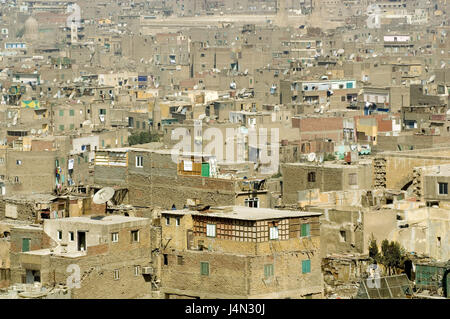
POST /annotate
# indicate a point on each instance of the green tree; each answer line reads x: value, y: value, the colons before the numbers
x: 142, y: 138
x: 393, y: 257
x: 329, y: 157
x: 374, y: 253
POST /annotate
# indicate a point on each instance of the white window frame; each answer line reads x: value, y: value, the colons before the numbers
x: 167, y: 221
x: 210, y: 230
x: 116, y: 274
x: 273, y: 233
x: 59, y: 234
x: 254, y: 201
x: 137, y: 270
x: 71, y: 236
x: 115, y: 237
x: 439, y: 188
x: 178, y: 221
x: 139, y: 161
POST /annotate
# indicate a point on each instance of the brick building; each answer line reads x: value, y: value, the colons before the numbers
x: 237, y: 252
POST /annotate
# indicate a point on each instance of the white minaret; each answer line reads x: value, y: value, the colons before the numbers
x: 73, y: 32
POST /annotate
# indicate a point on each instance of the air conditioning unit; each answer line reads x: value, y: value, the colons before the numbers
x: 147, y: 270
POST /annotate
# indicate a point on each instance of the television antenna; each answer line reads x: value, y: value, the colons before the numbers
x: 103, y: 196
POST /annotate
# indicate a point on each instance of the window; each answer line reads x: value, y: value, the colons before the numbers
x: 306, y: 266
x: 343, y: 99
x: 72, y: 112
x: 139, y: 161
x: 311, y: 177
x: 19, y: 162
x: 204, y: 268
x: 135, y: 236
x: 273, y: 232
x: 166, y: 259
x: 443, y: 188
x: 16, y: 179
x: 71, y: 236
x: 59, y: 235
x: 211, y: 230
x: 342, y: 236
x: 71, y: 126
x: 102, y: 111
x: 61, y: 127
x: 252, y: 202
x: 116, y: 274
x: 167, y: 220
x: 268, y: 271
x: 61, y: 113
x: 26, y: 244
x: 180, y: 260
x: 178, y: 221
x: 352, y: 179
x: 137, y: 270
x: 115, y: 237
x: 305, y: 231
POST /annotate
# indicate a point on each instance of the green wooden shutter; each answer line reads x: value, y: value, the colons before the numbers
x: 204, y: 268
x: 205, y: 169
x: 306, y: 266
x: 268, y: 271
x: 306, y: 230
x: 25, y: 244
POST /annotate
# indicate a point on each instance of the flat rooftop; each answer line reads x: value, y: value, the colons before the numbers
x: 243, y: 213
x: 143, y: 149
x: 332, y: 164
x: 101, y: 220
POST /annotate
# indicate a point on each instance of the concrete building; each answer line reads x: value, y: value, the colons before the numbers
x: 326, y: 177
x: 107, y: 255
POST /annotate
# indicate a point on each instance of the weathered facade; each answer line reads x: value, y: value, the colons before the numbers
x: 240, y: 253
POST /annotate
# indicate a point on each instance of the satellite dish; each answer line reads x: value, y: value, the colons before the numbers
x: 33, y: 131
x: 311, y: 157
x: 353, y: 147
x: 103, y: 195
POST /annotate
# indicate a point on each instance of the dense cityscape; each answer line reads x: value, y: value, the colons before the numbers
x: 224, y: 149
